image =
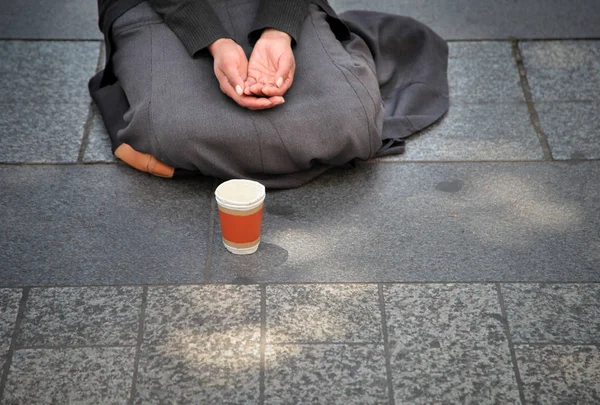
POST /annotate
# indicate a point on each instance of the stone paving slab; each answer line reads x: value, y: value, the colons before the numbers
x: 70, y: 376
x: 476, y: 132
x: 102, y: 224
x: 98, y: 148
x: 564, y: 77
x: 208, y: 344
x: 193, y: 373
x: 428, y: 222
x: 51, y: 135
x: 325, y: 374
x: 46, y: 72
x: 44, y: 99
x: 49, y: 19
x: 323, y: 313
x: 81, y: 316
x: 9, y: 307
x: 493, y: 19
x: 573, y: 129
x: 554, y: 313
x: 449, y: 342
x: 560, y: 374
x: 201, y: 345
x: 227, y: 313
x: 483, y: 72
x: 563, y: 70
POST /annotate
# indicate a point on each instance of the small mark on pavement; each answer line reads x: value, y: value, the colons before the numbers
x: 576, y: 158
x: 450, y: 186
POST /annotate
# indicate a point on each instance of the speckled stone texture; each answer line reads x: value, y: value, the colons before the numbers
x: 448, y: 345
x: 476, y: 132
x: 560, y: 374
x: 573, y: 129
x: 201, y: 345
x: 49, y: 135
x: 70, y: 376
x: 483, y: 72
x: 493, y: 19
x: 44, y: 99
x: 49, y: 19
x: 325, y: 374
x: 46, y: 72
x: 553, y: 313
x: 323, y: 313
x: 563, y: 70
x: 98, y: 147
x: 442, y: 222
x: 9, y: 307
x: 81, y: 316
x: 101, y: 225
x: 564, y: 77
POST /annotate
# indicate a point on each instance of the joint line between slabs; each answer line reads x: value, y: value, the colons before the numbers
x: 325, y: 343
x: 209, y: 242
x: 138, y: 347
x: 74, y: 163
x: 533, y: 114
x: 63, y: 347
x: 326, y: 283
x: 263, y: 342
x: 546, y: 344
x: 13, y: 341
x: 511, y: 346
x: 28, y: 39
x: 386, y: 346
x: 89, y: 122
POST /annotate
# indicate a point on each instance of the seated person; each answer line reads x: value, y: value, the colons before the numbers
x: 276, y: 91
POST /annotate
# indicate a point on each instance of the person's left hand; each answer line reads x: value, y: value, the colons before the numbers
x: 271, y: 66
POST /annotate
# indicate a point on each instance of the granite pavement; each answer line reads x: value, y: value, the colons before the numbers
x: 465, y: 271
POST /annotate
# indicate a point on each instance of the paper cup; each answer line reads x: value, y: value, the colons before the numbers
x: 240, y: 212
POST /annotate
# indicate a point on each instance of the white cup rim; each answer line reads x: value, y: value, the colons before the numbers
x: 244, y: 205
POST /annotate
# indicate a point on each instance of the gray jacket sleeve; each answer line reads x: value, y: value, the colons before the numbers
x: 193, y: 21
x: 197, y: 26
x: 282, y: 15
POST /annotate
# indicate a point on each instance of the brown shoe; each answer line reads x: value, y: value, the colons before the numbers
x: 143, y: 161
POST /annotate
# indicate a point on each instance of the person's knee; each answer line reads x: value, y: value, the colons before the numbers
x: 199, y: 139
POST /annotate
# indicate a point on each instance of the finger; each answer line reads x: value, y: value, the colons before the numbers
x: 271, y: 90
x: 225, y: 85
x: 277, y: 100
x: 280, y: 87
x: 235, y: 78
x: 260, y: 103
x: 250, y: 102
x: 285, y: 71
x: 249, y: 82
x: 257, y: 89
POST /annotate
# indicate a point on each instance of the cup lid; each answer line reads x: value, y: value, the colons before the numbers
x: 240, y: 193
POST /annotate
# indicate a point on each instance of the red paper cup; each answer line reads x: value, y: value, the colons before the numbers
x: 241, y: 205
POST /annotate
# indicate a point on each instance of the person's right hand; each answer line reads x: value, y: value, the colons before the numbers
x: 231, y: 70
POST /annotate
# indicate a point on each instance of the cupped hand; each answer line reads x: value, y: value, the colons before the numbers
x: 231, y: 70
x: 271, y: 66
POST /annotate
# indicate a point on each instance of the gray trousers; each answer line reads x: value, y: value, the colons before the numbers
x: 178, y: 114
